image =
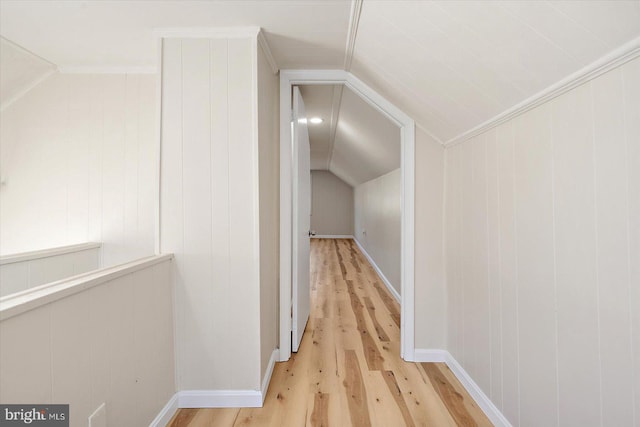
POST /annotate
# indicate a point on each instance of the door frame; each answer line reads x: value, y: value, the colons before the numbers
x: 288, y: 78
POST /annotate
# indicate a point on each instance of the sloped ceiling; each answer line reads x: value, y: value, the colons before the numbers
x: 355, y: 142
x: 322, y: 101
x: 19, y: 71
x: 451, y: 65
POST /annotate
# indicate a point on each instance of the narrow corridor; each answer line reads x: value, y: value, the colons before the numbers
x: 348, y: 371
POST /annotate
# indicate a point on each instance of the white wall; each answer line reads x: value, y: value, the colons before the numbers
x: 210, y: 205
x: 377, y: 223
x: 32, y: 269
x: 269, y: 167
x: 77, y: 157
x: 331, y: 204
x: 543, y: 257
x: 111, y: 343
x: 430, y: 284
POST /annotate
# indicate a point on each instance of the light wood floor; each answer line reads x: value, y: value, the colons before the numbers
x: 348, y: 371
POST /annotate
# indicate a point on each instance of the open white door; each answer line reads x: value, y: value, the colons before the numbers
x: 301, y: 303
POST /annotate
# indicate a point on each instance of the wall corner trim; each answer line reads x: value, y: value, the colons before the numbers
x: 386, y: 281
x: 164, y: 416
x: 267, y: 375
x: 483, y: 401
x: 608, y: 62
x: 262, y: 42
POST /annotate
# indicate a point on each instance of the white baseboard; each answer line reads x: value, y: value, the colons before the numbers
x: 483, y: 401
x: 332, y: 236
x: 434, y: 356
x: 267, y: 375
x: 386, y: 281
x: 164, y: 417
x: 217, y: 398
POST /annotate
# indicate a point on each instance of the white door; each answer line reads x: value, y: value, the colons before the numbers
x: 301, y: 221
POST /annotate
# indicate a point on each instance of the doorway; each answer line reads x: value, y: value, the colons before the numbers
x: 407, y: 140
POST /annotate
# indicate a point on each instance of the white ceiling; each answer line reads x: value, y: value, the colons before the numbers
x: 451, y: 65
x: 355, y: 142
x: 301, y: 34
x: 322, y: 101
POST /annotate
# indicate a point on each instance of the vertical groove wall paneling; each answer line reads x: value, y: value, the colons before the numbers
x: 76, y: 176
x: 536, y: 293
x: 220, y: 188
x: 196, y: 186
x: 269, y: 169
x: 430, y: 290
x: 631, y: 81
x: 111, y: 343
x: 562, y: 255
x: 209, y: 211
x: 612, y: 234
x: 574, y: 213
x: 171, y: 214
x: 243, y: 211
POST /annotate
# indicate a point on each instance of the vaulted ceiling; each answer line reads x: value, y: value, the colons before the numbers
x: 355, y: 141
x: 451, y: 65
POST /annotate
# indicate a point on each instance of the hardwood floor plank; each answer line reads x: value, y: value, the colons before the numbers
x: 388, y: 301
x: 215, y: 417
x: 372, y: 355
x: 356, y: 393
x: 183, y: 417
x: 320, y: 414
x: 390, y: 379
x: 347, y: 371
x: 452, y: 398
x: 371, y: 308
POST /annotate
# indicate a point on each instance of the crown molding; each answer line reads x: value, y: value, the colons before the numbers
x: 207, y: 32
x: 625, y: 53
x: 354, y: 20
x: 262, y: 42
x: 108, y: 69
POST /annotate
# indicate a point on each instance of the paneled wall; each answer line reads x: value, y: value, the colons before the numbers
x: 269, y: 166
x: 430, y: 285
x: 26, y: 271
x: 331, y: 204
x: 377, y: 223
x: 211, y: 186
x: 543, y: 257
x: 78, y: 163
x: 111, y: 343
